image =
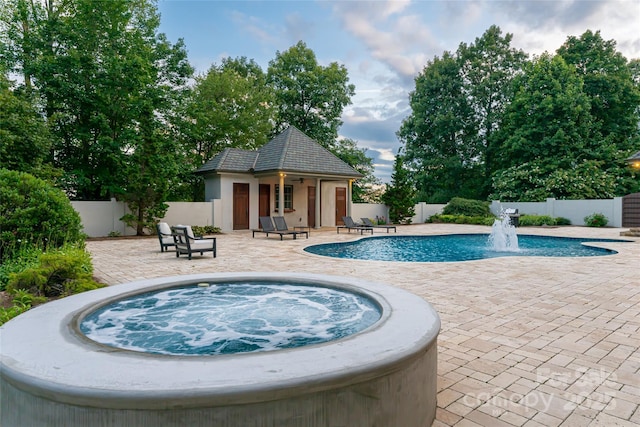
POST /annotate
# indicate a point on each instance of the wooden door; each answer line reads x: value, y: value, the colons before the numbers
x: 264, y: 201
x: 240, y: 206
x: 311, y: 206
x: 341, y: 204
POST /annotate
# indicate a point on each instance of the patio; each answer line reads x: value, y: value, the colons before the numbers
x: 525, y: 341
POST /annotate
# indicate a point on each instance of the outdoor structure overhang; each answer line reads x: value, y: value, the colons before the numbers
x: 291, y: 152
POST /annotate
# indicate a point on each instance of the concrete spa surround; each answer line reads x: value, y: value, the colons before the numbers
x: 51, y: 375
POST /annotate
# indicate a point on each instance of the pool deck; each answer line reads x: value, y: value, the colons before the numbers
x: 525, y: 341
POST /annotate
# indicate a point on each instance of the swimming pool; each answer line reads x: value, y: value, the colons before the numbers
x: 456, y: 247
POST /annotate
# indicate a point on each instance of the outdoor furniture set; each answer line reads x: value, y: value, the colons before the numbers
x: 281, y: 229
x: 185, y: 242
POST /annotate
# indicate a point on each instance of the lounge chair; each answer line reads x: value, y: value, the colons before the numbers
x: 368, y: 223
x: 187, y: 243
x: 281, y: 225
x: 350, y: 224
x: 164, y: 235
x: 267, y: 228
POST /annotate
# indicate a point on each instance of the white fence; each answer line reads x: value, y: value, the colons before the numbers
x: 100, y: 219
x: 574, y: 210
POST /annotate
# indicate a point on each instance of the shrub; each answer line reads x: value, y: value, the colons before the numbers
x: 595, y: 220
x: 461, y: 219
x: 536, y: 220
x: 25, y: 258
x: 199, y: 230
x: 563, y: 221
x: 468, y: 207
x: 58, y: 273
x: 21, y: 302
x: 33, y: 212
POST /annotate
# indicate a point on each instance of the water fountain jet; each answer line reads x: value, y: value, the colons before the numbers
x: 503, y: 236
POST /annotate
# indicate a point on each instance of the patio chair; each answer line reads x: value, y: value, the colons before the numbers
x: 281, y: 225
x: 186, y: 243
x: 267, y: 228
x: 350, y: 224
x: 368, y: 223
x: 164, y: 236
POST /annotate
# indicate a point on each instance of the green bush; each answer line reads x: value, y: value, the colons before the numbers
x: 595, y: 220
x: 33, y: 212
x: 536, y: 220
x: 25, y: 258
x: 204, y: 230
x: 461, y: 219
x: 468, y: 207
x: 58, y: 273
x: 21, y: 302
x: 563, y: 221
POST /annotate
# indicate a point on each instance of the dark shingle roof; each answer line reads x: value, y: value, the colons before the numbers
x: 291, y: 151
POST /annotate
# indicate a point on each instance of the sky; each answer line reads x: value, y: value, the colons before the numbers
x: 385, y: 44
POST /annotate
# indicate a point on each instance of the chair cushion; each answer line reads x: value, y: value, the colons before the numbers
x: 203, y: 243
x: 164, y: 228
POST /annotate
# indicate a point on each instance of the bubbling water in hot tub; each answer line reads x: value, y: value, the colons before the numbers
x: 204, y: 319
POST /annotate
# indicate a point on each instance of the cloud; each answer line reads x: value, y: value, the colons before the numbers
x: 545, y: 27
x: 389, y: 36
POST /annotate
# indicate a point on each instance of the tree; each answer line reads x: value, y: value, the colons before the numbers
x: 457, y: 106
x: 309, y: 96
x: 438, y: 134
x: 25, y: 140
x: 399, y: 196
x: 151, y: 165
x: 547, y: 137
x: 611, y: 84
x: 229, y: 106
x: 488, y: 67
x: 94, y: 64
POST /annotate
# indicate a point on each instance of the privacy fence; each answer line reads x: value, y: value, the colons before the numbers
x: 103, y: 218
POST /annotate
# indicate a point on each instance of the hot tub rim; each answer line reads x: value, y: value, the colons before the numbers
x: 237, y: 394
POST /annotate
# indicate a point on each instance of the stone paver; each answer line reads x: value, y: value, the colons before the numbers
x: 525, y: 341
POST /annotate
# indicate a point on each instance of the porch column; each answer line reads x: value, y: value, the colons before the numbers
x: 281, y: 195
x: 349, y: 198
x: 317, y: 207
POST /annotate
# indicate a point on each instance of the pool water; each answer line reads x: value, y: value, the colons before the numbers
x: 207, y: 319
x: 455, y: 247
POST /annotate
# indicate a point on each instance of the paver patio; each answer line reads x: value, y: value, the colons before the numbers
x: 525, y: 341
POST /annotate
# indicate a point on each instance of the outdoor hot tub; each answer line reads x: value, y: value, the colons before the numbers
x: 52, y: 374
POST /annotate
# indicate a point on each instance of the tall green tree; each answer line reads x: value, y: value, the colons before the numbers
x: 229, y: 106
x: 548, y: 138
x: 400, y: 194
x: 439, y: 134
x: 94, y: 64
x: 151, y: 166
x: 25, y: 140
x: 488, y: 66
x: 308, y: 95
x: 612, y: 86
x: 456, y: 108
x: 608, y: 82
